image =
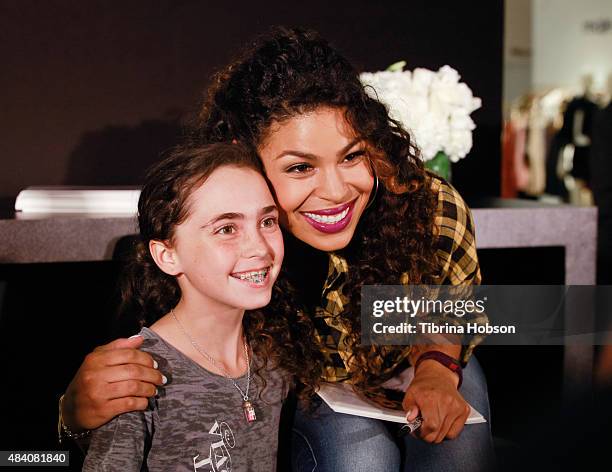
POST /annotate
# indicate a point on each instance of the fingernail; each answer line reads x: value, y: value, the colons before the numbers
x: 155, y: 364
x: 135, y: 336
x: 164, y: 379
x: 408, y: 413
x: 156, y: 392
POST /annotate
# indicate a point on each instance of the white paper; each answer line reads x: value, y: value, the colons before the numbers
x: 342, y: 399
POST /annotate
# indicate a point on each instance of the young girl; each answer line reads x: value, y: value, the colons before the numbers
x: 210, y: 250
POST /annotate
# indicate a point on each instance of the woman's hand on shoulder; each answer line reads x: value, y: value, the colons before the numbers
x: 115, y: 378
x: 433, y: 393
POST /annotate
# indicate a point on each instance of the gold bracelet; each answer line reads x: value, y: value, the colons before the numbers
x: 63, y: 431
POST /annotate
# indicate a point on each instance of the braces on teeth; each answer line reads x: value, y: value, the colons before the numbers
x: 255, y: 277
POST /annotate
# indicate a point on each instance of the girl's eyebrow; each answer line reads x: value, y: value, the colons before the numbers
x: 307, y: 155
x: 238, y: 216
x: 269, y: 209
x: 224, y: 216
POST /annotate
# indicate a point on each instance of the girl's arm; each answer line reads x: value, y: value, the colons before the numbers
x: 121, y: 444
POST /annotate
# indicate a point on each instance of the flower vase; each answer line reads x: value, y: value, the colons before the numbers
x: 440, y: 165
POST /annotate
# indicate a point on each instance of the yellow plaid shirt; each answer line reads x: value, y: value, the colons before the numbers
x: 459, y: 265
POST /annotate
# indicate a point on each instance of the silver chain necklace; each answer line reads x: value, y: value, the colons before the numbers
x: 247, y: 405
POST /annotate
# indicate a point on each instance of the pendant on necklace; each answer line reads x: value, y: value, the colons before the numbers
x: 249, y: 411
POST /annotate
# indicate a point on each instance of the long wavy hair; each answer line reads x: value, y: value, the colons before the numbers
x: 289, y: 72
x: 148, y: 293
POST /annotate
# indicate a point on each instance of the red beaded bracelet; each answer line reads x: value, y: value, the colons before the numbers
x: 445, y: 360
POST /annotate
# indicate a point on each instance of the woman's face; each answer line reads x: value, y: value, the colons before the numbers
x: 320, y: 172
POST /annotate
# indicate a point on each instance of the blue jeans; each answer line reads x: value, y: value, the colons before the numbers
x: 335, y: 442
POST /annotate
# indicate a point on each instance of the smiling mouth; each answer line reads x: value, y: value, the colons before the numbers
x: 256, y: 277
x: 331, y: 220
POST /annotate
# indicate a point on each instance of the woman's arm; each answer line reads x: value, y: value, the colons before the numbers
x: 456, y: 253
x: 433, y: 392
x: 115, y: 378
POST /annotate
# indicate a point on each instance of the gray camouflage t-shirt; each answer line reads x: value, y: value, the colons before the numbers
x: 196, y: 423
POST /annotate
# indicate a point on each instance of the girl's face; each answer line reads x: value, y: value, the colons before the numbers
x: 321, y: 177
x: 227, y: 253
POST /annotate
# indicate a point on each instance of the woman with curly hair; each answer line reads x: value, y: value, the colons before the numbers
x: 357, y: 207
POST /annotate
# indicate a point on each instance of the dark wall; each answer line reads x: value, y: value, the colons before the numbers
x: 89, y: 91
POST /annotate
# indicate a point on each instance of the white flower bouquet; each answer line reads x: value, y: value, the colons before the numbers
x: 434, y: 107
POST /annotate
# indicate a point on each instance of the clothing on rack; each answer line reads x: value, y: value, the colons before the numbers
x: 601, y: 182
x: 577, y: 129
x: 547, y: 145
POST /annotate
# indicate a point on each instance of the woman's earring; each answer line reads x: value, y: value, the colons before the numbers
x: 373, y: 195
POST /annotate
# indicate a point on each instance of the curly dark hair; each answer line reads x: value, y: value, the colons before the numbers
x: 147, y: 293
x: 289, y: 72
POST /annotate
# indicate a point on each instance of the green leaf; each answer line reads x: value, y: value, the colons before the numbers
x: 397, y: 67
